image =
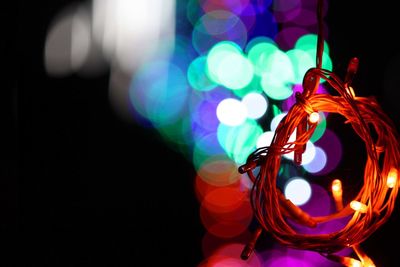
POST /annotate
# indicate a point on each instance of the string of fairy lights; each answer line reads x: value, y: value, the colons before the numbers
x: 372, y: 206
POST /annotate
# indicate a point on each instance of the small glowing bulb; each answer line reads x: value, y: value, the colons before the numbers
x: 354, y: 263
x: 358, y: 206
x: 350, y: 90
x: 313, y: 117
x: 392, y: 178
x: 336, y: 186
x: 337, y: 193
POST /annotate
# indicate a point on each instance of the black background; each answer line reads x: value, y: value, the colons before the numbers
x: 80, y: 187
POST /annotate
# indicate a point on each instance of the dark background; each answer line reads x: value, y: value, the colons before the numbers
x: 80, y: 187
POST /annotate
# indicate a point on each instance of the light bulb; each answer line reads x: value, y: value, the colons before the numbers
x: 392, y: 178
x: 354, y: 263
x: 350, y: 90
x: 337, y: 193
x: 337, y: 186
x: 358, y: 206
x: 313, y: 117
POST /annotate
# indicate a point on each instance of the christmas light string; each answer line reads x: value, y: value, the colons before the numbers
x: 374, y: 203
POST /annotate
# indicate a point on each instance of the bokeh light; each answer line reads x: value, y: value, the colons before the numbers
x: 256, y: 105
x: 235, y: 71
x: 160, y: 86
x: 216, y: 26
x: 204, y: 115
x: 203, y: 110
x: 226, y: 211
x: 298, y: 190
x: 249, y: 17
x: 68, y: 42
x: 317, y: 163
x: 197, y: 75
x: 219, y: 170
x: 309, y: 41
x: 239, y: 141
x: 276, y: 120
x: 130, y: 32
x: 217, y: 53
x: 332, y: 146
x: 301, y: 62
x: 265, y: 139
x: 255, y: 41
x: 231, y: 112
x: 228, y: 66
x: 278, y: 77
x: 260, y: 53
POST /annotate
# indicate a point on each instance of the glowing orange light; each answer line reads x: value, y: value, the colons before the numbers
x: 350, y: 90
x: 337, y: 193
x: 392, y: 178
x: 313, y: 118
x: 337, y: 187
x: 358, y: 206
x: 354, y: 263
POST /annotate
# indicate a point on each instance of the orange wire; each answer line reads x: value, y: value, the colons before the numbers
x: 270, y: 207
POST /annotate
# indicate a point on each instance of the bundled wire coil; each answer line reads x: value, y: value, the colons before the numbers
x: 374, y: 203
x: 269, y: 204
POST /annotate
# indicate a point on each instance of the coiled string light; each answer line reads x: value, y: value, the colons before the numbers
x: 374, y: 203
